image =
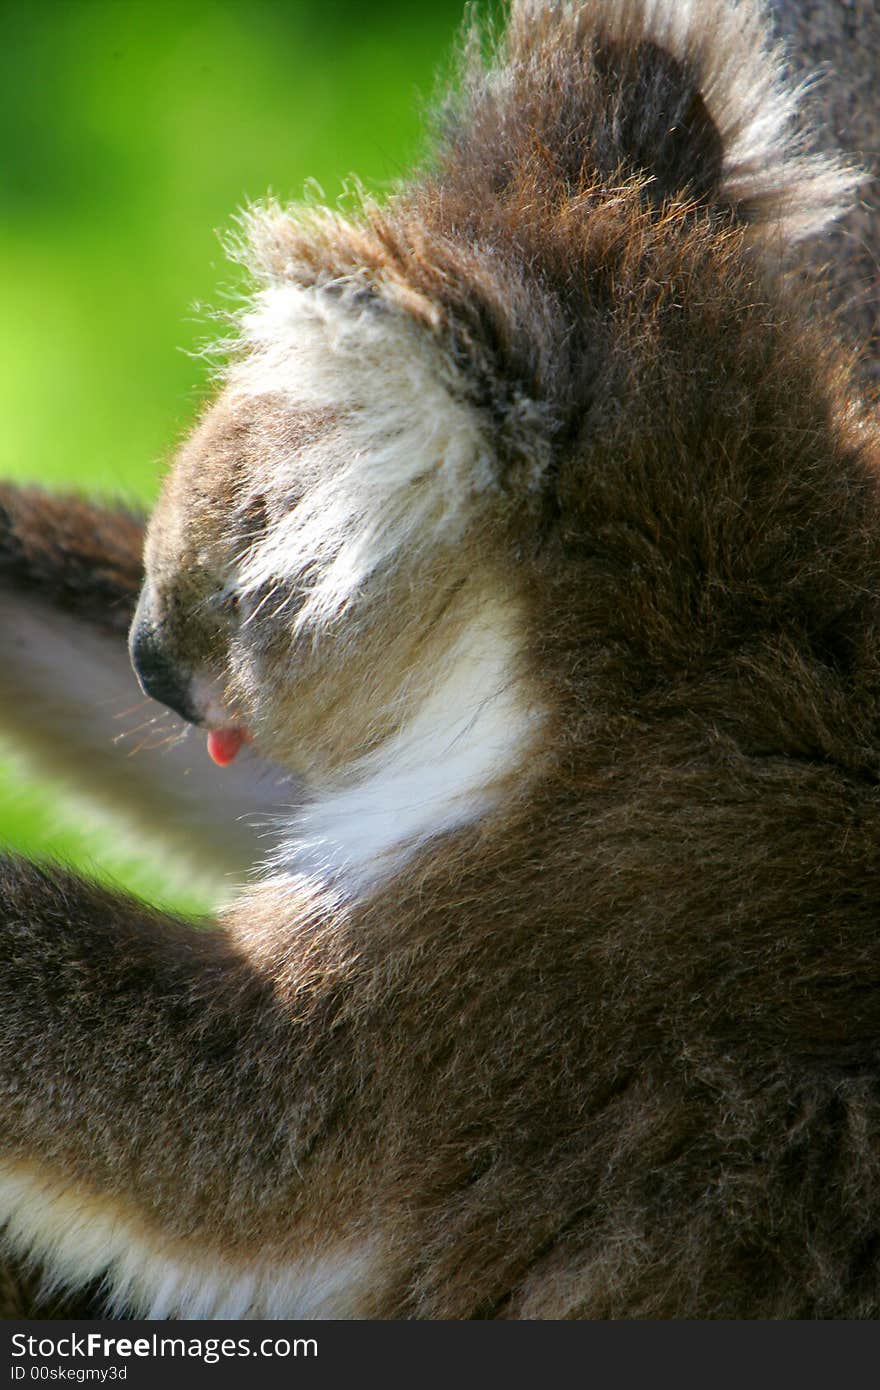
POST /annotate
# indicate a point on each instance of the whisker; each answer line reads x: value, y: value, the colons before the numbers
x: 148, y: 727
x: 131, y: 709
x: 263, y: 601
x: 136, y: 728
x: 168, y: 741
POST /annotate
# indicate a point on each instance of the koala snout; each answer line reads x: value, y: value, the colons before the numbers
x: 159, y: 675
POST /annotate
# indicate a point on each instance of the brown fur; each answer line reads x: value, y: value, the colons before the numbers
x: 611, y: 1051
x: 82, y: 558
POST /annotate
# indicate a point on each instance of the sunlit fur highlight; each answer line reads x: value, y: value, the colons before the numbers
x: 403, y: 460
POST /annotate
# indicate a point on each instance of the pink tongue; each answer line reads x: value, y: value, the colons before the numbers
x: 223, y: 744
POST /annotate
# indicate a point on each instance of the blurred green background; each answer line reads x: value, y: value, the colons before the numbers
x: 129, y: 135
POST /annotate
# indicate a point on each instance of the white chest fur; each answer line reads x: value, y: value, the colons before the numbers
x: 444, y: 768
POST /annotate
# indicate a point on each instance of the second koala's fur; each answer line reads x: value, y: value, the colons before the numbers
x: 536, y: 528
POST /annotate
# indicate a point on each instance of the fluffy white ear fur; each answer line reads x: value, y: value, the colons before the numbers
x: 740, y: 72
x: 403, y: 453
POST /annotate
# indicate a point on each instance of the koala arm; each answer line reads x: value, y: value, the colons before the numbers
x: 70, y: 706
x: 160, y: 1103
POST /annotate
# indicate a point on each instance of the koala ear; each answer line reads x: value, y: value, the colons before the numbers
x: 470, y: 315
x: 689, y: 94
x: 400, y: 454
x: 413, y: 334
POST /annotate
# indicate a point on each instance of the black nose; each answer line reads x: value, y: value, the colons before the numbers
x: 158, y: 674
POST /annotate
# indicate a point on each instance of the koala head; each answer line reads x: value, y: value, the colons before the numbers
x: 548, y: 428
x: 334, y: 529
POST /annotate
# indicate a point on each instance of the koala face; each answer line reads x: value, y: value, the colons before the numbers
x: 320, y: 552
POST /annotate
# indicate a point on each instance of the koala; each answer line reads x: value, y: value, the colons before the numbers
x: 522, y: 579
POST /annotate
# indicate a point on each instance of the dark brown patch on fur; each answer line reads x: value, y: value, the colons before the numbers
x: 576, y: 109
x: 85, y: 558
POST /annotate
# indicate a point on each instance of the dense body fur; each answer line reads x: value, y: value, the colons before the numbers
x: 835, y: 49
x: 537, y: 528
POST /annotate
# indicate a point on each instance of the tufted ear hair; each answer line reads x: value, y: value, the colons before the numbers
x: 389, y: 307
x: 343, y: 329
x: 689, y: 94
